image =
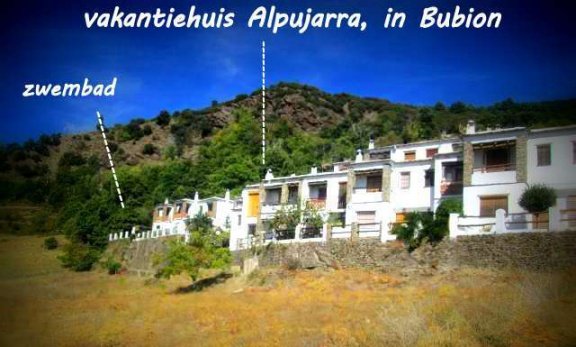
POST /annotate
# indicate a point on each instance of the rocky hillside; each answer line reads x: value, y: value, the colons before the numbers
x: 289, y: 107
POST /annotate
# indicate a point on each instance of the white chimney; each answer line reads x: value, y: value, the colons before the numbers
x: 313, y: 170
x: 336, y: 168
x: 471, y: 127
x: 269, y: 175
x: 371, y: 144
x: 227, y: 195
x: 166, y: 201
x: 196, y: 197
x: 358, y: 156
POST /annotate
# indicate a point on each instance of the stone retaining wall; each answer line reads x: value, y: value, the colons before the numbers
x: 138, y: 256
x: 533, y: 250
x: 522, y: 250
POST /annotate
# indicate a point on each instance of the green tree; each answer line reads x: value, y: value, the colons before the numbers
x: 207, y: 248
x: 537, y: 198
x: 410, y: 231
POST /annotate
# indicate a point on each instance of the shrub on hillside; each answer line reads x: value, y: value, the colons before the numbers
x: 149, y: 149
x: 79, y: 257
x: 50, y: 243
x: 113, y: 146
x: 537, y: 198
x: 170, y: 152
x: 147, y: 129
x: 112, y: 266
x: 163, y: 118
x: 30, y: 171
x: 71, y: 159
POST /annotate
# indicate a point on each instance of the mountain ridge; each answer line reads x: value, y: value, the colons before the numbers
x: 301, y: 107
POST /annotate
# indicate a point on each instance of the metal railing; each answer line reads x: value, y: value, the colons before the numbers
x: 529, y: 220
x: 451, y: 187
x: 568, y: 215
x: 369, y: 229
x: 310, y: 232
x: 285, y: 234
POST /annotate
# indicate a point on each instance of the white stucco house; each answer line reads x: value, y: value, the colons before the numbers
x: 170, y: 218
x: 488, y: 170
x: 363, y: 198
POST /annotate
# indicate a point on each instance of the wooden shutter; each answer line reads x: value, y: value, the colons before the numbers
x: 374, y: 183
x: 253, y: 204
x: 430, y: 152
x: 411, y: 155
x: 366, y: 217
x: 489, y: 205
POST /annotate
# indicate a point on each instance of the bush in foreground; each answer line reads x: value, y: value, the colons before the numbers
x: 112, y: 266
x: 205, y: 250
x: 421, y: 227
x: 79, y: 257
x: 50, y: 243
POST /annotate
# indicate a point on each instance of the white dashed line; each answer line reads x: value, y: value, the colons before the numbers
x: 110, y: 159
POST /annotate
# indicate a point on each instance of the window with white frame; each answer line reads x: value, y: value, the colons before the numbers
x: 543, y: 157
x: 405, y: 180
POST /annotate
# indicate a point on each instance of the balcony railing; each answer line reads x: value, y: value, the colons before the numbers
x: 310, y: 232
x: 272, y: 202
x: 285, y: 234
x: 367, y: 189
x: 451, y: 187
x: 317, y: 203
x: 496, y: 168
x: 369, y: 229
x: 569, y: 216
x: 161, y: 218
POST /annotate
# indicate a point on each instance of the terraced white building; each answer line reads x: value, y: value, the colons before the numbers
x: 488, y: 170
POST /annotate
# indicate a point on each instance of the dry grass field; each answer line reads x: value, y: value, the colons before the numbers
x: 44, y: 305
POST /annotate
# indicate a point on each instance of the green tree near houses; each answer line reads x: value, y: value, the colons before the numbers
x: 206, y: 249
x: 426, y: 227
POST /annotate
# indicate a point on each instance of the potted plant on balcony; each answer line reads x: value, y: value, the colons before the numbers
x: 537, y: 199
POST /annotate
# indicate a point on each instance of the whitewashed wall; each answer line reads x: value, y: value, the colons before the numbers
x: 561, y: 174
x: 417, y: 196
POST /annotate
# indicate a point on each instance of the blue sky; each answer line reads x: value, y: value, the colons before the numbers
x: 531, y: 57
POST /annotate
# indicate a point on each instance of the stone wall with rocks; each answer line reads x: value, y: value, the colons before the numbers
x: 364, y: 253
x: 138, y: 257
x: 522, y: 250
x: 534, y: 250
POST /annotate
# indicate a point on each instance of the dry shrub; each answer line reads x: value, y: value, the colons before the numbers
x: 403, y: 325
